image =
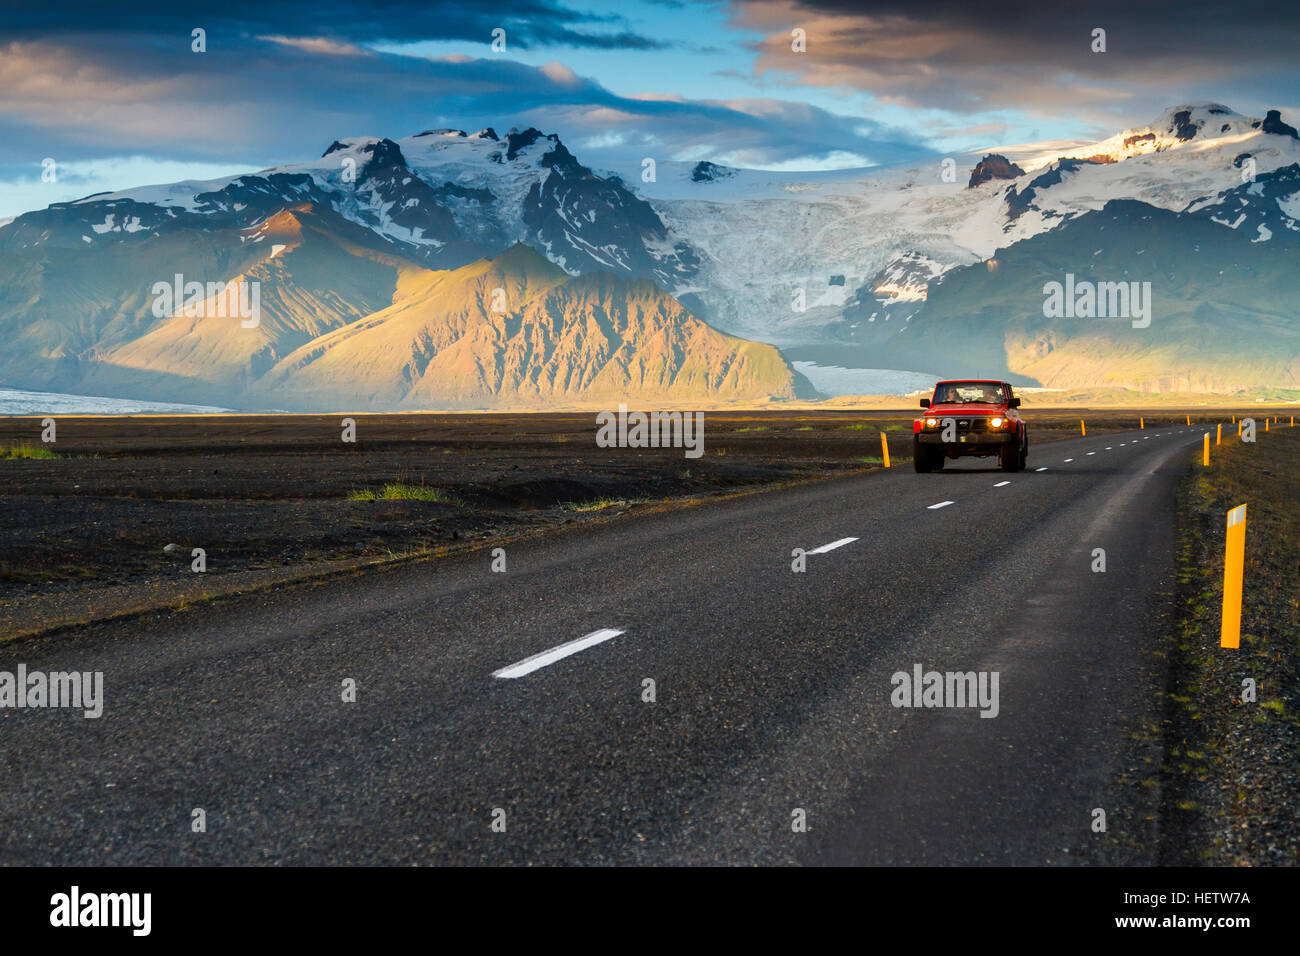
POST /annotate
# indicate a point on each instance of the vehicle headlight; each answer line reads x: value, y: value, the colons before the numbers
x: 931, y: 422
x: 996, y: 423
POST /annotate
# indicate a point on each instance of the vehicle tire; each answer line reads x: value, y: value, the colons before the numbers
x: 1024, y: 452
x: 920, y: 457
x: 1009, y: 457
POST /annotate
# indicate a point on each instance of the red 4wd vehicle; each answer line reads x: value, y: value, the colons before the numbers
x: 970, y: 417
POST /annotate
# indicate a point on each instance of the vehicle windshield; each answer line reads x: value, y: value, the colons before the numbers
x: 962, y: 393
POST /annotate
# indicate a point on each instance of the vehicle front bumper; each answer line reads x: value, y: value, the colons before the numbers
x: 967, y: 438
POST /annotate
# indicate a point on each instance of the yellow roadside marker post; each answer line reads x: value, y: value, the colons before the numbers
x: 884, y: 448
x: 1266, y: 424
x: 1083, y: 429
x: 1142, y: 424
x: 1218, y: 435
x: 1189, y: 421
x: 1234, y: 563
x: 1238, y: 429
x: 1205, y: 459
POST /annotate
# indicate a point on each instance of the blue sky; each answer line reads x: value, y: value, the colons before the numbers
x: 116, y: 97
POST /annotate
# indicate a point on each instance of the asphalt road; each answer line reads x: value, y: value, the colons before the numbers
x: 772, y: 690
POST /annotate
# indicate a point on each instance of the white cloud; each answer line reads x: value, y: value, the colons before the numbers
x: 76, y: 180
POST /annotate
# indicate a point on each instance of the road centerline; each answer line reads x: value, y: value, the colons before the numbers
x: 557, y: 653
x: 942, y: 504
x: 832, y: 546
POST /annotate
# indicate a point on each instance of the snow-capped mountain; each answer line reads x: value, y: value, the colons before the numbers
x: 1268, y: 205
x: 840, y: 260
x: 842, y: 236
x: 443, y: 196
x: 1166, y: 302
x: 778, y: 256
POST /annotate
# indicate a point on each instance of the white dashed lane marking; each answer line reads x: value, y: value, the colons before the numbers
x: 1069, y: 459
x: 1092, y: 453
x: 832, y: 546
x: 942, y: 504
x: 1044, y: 468
x: 538, y: 661
x: 1001, y: 483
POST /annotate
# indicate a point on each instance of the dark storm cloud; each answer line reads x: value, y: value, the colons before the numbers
x: 527, y: 22
x: 966, y: 56
x: 265, y: 101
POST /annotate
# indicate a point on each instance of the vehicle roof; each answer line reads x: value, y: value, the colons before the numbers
x: 980, y: 381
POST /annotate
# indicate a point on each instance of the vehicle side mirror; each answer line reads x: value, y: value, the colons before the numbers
x: 925, y: 403
x: 1015, y: 403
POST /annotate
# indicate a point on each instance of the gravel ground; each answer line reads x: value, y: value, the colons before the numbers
x: 1231, y: 767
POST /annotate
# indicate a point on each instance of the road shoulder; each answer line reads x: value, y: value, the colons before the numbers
x: 1231, y: 771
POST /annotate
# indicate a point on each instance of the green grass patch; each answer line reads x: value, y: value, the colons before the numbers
x: 24, y: 450
x: 400, y: 491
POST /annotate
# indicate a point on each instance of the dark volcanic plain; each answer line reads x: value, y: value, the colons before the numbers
x: 267, y: 497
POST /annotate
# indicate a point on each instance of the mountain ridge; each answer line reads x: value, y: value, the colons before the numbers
x: 837, y: 260
x: 515, y: 330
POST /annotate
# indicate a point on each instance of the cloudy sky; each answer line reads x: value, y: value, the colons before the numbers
x: 116, y: 96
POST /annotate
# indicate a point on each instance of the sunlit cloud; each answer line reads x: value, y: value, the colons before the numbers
x: 316, y: 45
